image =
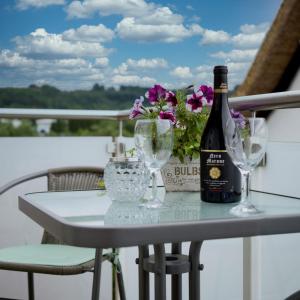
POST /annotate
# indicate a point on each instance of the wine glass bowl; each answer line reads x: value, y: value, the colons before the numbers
x: 154, y: 144
x: 246, y: 145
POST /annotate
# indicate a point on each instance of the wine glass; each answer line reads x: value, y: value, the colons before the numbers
x: 246, y: 145
x: 154, y: 144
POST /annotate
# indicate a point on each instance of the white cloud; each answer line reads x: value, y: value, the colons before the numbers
x: 251, y: 35
x: 24, y: 4
x: 131, y: 29
x: 101, y: 62
x: 204, y: 74
x: 214, y: 37
x: 97, y: 77
x: 237, y: 72
x: 237, y: 67
x: 252, y: 28
x: 122, y: 69
x: 12, y: 59
x: 141, y: 65
x: 182, y: 72
x: 86, y: 33
x: 248, y: 40
x: 144, y: 63
x: 86, y: 8
x: 42, y: 44
x: 133, y: 80
x: 204, y: 68
x: 142, y: 21
x: 64, y: 73
x: 236, y: 54
x: 160, y: 16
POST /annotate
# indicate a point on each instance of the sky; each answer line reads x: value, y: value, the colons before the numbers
x: 75, y: 44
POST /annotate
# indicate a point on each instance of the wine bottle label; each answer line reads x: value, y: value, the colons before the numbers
x: 216, y: 171
x: 221, y: 89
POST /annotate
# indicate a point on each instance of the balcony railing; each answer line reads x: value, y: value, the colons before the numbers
x: 281, y: 100
x: 290, y: 99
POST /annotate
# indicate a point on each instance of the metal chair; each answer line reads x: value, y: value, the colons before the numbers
x: 51, y: 256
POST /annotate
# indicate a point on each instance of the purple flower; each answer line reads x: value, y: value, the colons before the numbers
x: 194, y: 102
x: 171, y: 99
x: 168, y: 115
x: 238, y: 118
x: 137, y: 108
x: 208, y: 93
x: 155, y: 94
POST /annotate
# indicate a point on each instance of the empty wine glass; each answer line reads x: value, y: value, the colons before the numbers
x: 246, y: 145
x: 154, y: 144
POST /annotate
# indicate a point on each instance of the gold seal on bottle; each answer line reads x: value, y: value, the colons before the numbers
x: 214, y: 173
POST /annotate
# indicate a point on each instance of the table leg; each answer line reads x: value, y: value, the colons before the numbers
x: 160, y: 272
x: 143, y: 275
x: 194, y: 275
x: 176, y: 282
x: 97, y: 275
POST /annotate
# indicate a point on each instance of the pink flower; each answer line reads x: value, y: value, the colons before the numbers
x: 168, y: 115
x: 137, y: 108
x: 208, y: 93
x: 155, y: 94
x: 171, y: 99
x: 194, y: 102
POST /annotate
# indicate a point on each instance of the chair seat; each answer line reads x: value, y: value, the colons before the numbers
x: 47, y: 258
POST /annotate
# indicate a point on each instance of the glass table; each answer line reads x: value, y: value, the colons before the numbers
x: 91, y: 219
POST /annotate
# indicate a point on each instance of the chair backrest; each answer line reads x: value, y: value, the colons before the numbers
x: 72, y: 179
x: 63, y: 179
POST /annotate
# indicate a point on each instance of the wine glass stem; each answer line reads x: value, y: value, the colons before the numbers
x: 246, y: 189
x: 154, y: 184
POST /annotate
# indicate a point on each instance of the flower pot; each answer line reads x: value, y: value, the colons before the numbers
x: 181, y: 177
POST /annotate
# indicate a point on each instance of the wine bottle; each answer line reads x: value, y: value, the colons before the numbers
x: 220, y: 178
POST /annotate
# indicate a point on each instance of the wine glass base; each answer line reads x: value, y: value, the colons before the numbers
x: 151, y: 204
x: 245, y: 210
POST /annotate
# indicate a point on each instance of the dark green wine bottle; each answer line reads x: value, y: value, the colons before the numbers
x: 220, y: 178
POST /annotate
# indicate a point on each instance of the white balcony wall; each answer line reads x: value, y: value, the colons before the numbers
x: 221, y: 278
x: 276, y: 261
x: 20, y: 156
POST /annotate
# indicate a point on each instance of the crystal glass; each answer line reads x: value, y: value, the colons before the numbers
x: 246, y: 144
x: 126, y: 179
x: 154, y: 144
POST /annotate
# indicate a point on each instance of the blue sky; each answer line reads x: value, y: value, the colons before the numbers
x: 75, y: 44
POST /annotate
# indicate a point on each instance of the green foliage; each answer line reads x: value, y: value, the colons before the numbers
x: 189, y: 129
x: 50, y: 97
x: 91, y: 128
x: 131, y: 152
x: 27, y: 128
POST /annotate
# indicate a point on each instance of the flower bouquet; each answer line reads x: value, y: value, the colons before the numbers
x: 188, y: 110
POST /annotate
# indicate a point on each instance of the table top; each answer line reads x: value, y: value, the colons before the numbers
x: 91, y: 219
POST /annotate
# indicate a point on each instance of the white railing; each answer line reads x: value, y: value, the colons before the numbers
x: 290, y: 99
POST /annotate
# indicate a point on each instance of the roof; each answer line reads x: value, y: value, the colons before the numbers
x: 278, y: 57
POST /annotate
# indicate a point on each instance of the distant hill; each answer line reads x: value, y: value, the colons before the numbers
x: 47, y: 96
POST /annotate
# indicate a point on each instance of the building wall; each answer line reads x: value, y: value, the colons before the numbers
x: 284, y: 124
x: 276, y: 263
